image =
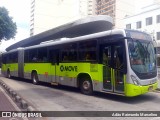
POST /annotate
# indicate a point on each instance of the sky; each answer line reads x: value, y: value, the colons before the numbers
x: 20, y: 11
x: 141, y: 3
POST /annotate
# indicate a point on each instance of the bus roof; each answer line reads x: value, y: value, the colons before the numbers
x: 69, y: 40
x: 81, y: 38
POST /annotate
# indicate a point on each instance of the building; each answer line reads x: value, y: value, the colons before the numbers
x: 91, y: 7
x: 52, y: 13
x: 47, y: 14
x: 147, y: 20
x: 117, y: 9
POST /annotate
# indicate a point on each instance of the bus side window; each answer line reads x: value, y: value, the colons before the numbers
x: 4, y: 59
x: 69, y: 52
x: 54, y: 56
x: 88, y: 56
x: 32, y: 55
x: 65, y: 57
x: 35, y: 59
x: 87, y: 50
x: 42, y: 55
x: 51, y: 56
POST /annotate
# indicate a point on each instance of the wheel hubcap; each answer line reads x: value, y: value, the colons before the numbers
x: 8, y: 75
x: 86, y: 85
x: 34, y: 79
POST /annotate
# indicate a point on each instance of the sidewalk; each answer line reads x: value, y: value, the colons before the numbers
x: 10, y: 108
x: 6, y: 106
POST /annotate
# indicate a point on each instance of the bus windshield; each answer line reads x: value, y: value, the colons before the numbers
x: 142, y: 56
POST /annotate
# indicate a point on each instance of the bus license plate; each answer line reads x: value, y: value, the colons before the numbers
x: 150, y: 88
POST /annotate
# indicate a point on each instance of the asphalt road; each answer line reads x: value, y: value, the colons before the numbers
x: 45, y: 97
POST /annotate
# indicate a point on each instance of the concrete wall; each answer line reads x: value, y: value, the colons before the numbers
x: 122, y: 9
x: 47, y: 14
x: 52, y: 13
x: 151, y: 29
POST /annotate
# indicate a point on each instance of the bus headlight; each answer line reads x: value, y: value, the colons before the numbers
x: 135, y: 81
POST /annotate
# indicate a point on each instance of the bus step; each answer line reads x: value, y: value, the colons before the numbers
x: 54, y: 83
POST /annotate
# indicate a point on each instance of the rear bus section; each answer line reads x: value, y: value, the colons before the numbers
x: 10, y: 64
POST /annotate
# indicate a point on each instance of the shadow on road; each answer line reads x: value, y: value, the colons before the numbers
x: 130, y: 100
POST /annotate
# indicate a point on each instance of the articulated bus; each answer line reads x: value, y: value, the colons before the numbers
x: 117, y: 61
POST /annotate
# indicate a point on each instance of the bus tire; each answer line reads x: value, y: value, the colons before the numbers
x: 86, y: 86
x: 8, y: 74
x: 35, y: 78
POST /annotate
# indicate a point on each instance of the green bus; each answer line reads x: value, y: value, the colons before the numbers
x: 117, y: 61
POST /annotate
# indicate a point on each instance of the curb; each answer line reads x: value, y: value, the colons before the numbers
x: 22, y: 103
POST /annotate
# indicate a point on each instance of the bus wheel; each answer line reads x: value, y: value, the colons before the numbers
x: 86, y: 86
x: 8, y: 74
x: 34, y: 78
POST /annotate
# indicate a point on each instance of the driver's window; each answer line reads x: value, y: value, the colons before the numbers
x: 134, y: 54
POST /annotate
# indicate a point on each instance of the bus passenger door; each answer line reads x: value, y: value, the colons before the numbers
x: 113, y: 64
x: 107, y: 70
x: 54, y: 59
x: 119, y: 67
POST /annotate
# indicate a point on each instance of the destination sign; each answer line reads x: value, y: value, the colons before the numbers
x: 138, y: 35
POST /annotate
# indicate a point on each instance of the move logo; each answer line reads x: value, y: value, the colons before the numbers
x: 68, y: 68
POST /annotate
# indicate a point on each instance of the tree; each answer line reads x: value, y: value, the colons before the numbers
x: 8, y: 28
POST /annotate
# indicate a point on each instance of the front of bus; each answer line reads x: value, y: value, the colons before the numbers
x: 142, y: 68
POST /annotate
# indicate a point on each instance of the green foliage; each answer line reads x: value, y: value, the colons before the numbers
x: 8, y: 28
